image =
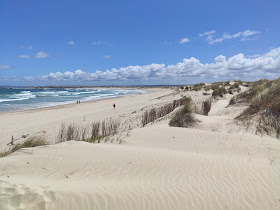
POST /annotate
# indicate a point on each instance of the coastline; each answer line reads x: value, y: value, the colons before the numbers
x: 17, y: 123
x: 155, y: 166
x: 65, y: 104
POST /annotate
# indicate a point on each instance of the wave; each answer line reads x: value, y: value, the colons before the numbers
x: 23, y: 95
x: 39, y: 98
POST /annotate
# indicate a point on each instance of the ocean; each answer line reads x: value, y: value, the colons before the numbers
x: 18, y: 99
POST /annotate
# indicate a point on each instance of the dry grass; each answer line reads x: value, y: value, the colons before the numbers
x: 34, y: 141
x: 156, y: 113
x: 219, y: 92
x: 206, y: 106
x: 90, y: 133
x: 263, y: 99
x: 235, y: 85
x: 183, y: 117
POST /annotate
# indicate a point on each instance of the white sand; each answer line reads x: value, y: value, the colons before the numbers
x: 214, y: 165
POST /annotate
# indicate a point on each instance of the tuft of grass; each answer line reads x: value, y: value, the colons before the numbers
x: 183, y: 117
x: 227, y: 83
x: 215, y: 86
x: 263, y: 99
x: 207, y: 88
x: 156, y: 113
x: 90, y: 133
x: 235, y: 85
x: 219, y: 92
x: 206, y: 106
x: 34, y: 141
x: 198, y: 87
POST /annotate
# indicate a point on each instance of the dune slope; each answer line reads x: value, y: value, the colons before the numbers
x: 155, y: 167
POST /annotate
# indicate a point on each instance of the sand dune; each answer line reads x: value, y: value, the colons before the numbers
x: 210, y: 166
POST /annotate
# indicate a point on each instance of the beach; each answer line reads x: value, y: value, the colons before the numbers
x: 216, y: 164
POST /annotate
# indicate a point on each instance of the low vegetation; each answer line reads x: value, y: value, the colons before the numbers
x: 235, y: 85
x: 183, y: 117
x: 34, y: 141
x: 206, y: 106
x: 90, y: 133
x: 155, y: 113
x: 219, y: 92
x: 263, y: 99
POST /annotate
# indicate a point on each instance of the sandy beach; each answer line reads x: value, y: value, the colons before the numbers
x: 216, y: 164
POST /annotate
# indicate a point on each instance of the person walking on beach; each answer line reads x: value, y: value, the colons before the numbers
x: 114, y: 105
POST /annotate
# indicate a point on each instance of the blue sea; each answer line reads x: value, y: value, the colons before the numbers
x: 18, y: 99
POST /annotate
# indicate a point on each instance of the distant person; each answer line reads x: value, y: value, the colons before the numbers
x: 77, y: 102
x: 114, y: 105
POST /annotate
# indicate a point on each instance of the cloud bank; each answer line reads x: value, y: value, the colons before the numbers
x: 188, y: 71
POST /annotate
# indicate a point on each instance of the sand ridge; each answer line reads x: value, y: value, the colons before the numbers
x: 213, y: 165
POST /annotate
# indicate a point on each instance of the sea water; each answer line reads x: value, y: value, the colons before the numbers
x: 18, y: 99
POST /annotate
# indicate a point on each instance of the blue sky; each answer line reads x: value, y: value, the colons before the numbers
x: 47, y: 42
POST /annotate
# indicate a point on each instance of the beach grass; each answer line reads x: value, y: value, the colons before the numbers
x: 155, y: 113
x: 263, y: 100
x: 183, y: 117
x: 34, y: 141
x: 93, y: 132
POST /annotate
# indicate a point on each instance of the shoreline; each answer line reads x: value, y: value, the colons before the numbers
x: 162, y: 166
x: 74, y: 103
x: 49, y: 119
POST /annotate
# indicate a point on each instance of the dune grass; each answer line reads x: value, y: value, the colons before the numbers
x: 155, y: 113
x: 91, y: 133
x: 219, y: 92
x: 183, y: 117
x: 206, y: 106
x: 34, y: 141
x: 263, y: 99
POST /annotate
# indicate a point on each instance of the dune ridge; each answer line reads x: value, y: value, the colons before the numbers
x: 213, y: 165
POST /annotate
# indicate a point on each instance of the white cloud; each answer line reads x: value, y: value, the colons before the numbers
x: 184, y: 40
x: 24, y: 56
x: 245, y: 35
x: 207, y: 33
x: 97, y: 43
x: 5, y: 67
x: 71, y: 42
x: 107, y: 56
x: 30, y: 78
x: 187, y: 71
x: 41, y: 54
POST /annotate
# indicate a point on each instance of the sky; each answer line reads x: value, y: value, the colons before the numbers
x: 106, y: 42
